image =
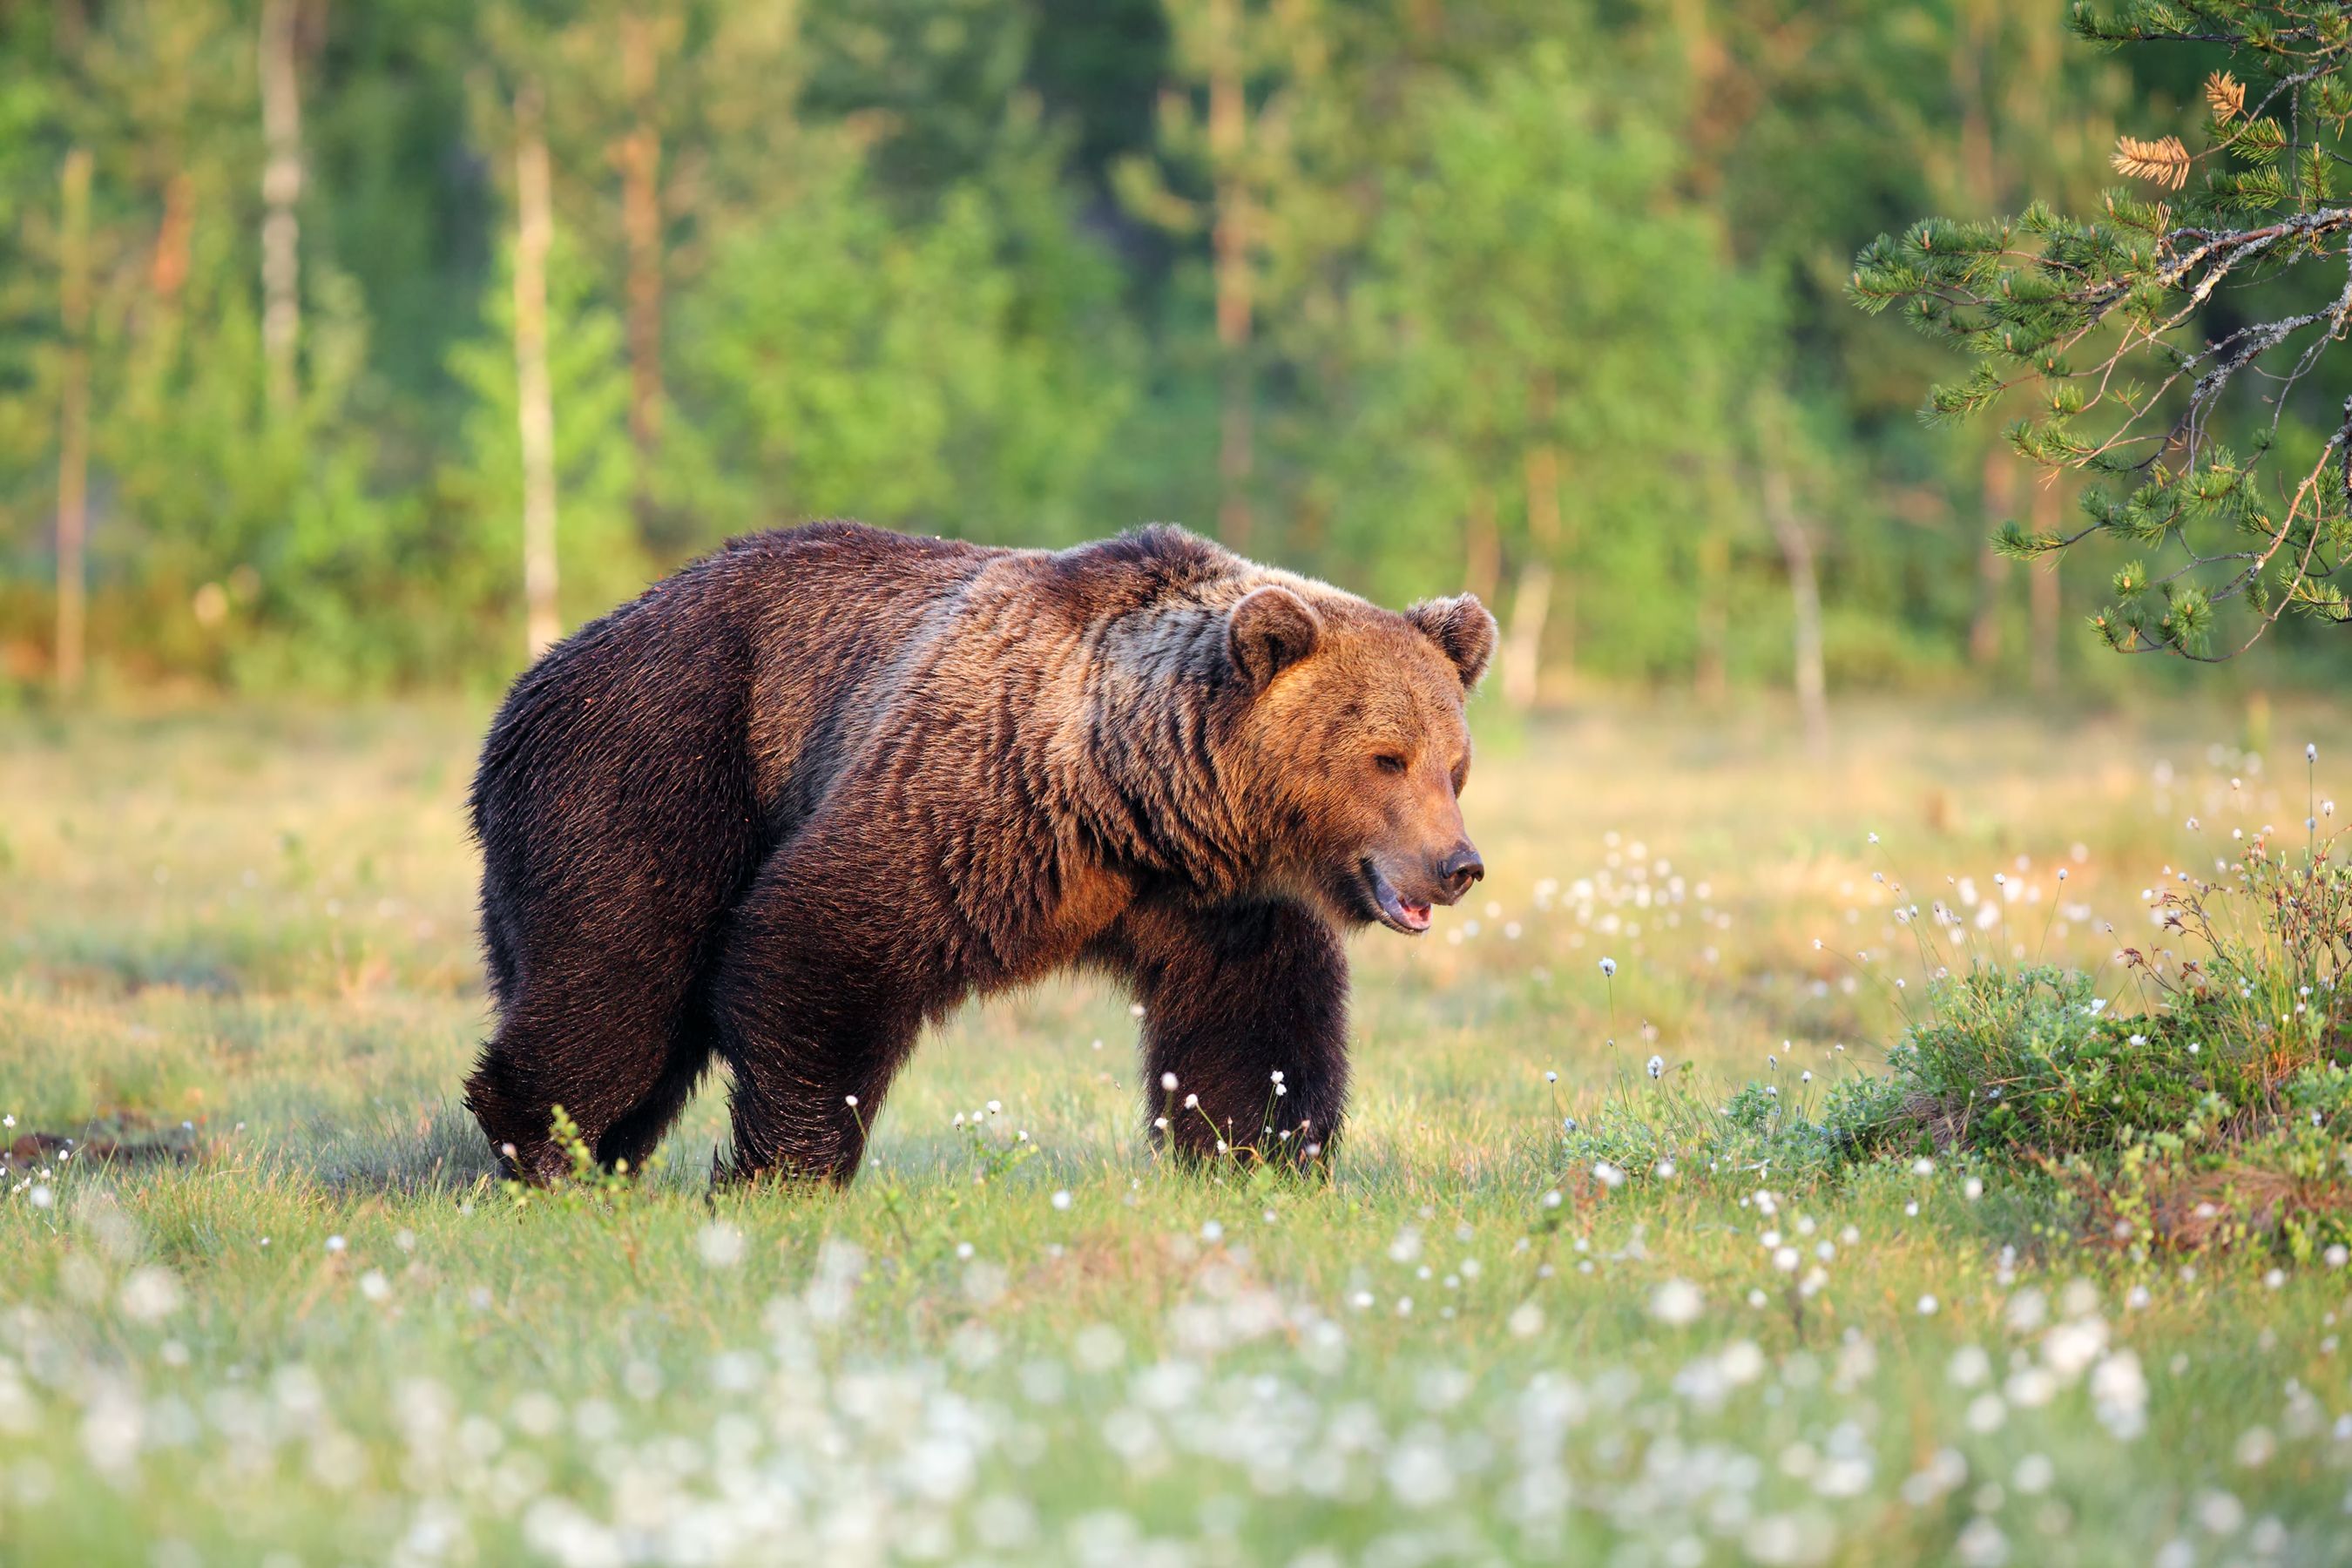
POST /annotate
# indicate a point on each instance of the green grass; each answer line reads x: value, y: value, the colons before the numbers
x: 309, y: 1328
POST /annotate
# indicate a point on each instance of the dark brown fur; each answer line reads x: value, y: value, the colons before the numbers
x: 818, y: 788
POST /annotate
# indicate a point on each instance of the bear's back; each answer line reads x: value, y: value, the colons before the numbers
x: 966, y: 674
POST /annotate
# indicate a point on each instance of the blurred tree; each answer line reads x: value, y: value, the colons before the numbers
x: 2030, y: 118
x: 575, y: 445
x: 1097, y: 65
x: 534, y: 401
x: 281, y: 190
x: 1791, y: 111
x: 645, y: 44
x: 1776, y: 494
x: 926, y: 81
x: 401, y: 194
x: 1243, y: 159
x: 666, y: 121
x: 210, y: 502
x: 1796, y: 106
x: 1536, y: 306
x: 1369, y: 281
x: 33, y: 151
x: 73, y: 421
x: 845, y: 365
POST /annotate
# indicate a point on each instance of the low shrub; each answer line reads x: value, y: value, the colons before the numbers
x: 2210, y: 1106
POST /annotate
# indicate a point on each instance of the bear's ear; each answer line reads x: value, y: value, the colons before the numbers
x: 1270, y: 630
x: 1462, y: 630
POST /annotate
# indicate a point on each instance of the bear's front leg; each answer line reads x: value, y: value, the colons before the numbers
x: 1246, y: 1008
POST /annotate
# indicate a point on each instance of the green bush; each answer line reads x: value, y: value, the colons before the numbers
x: 2212, y: 1112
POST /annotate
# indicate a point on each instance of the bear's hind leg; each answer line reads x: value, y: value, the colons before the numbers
x: 621, y: 1069
x: 619, y: 816
x: 1234, y: 995
x: 516, y: 1115
x: 818, y: 1001
x: 634, y: 1136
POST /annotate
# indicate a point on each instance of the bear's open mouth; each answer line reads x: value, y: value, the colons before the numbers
x: 1395, y: 912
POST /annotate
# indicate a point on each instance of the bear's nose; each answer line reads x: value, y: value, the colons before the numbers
x: 1458, y: 870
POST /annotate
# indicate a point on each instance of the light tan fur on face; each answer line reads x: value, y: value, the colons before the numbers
x: 1316, y: 753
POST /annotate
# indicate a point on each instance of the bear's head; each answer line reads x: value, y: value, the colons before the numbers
x: 1355, y: 746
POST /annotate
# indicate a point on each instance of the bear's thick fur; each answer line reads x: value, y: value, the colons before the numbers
x: 819, y: 787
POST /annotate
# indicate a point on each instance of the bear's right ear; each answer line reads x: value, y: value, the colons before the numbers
x: 1270, y: 630
x: 1463, y: 627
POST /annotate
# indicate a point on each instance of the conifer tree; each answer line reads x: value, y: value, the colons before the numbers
x: 1530, y: 305
x: 2213, y: 448
x: 1256, y: 72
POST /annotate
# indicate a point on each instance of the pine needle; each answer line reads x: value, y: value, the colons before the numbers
x: 2227, y: 94
x: 2165, y: 161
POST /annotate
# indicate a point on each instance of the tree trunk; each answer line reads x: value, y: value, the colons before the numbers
x: 535, y: 412
x: 1709, y: 678
x: 2046, y: 599
x: 641, y: 221
x: 1228, y: 132
x: 167, y: 272
x: 281, y: 188
x: 1234, y: 460
x: 1980, y: 185
x: 1531, y: 604
x: 148, y: 383
x: 1482, y: 566
x: 73, y: 423
x: 1980, y: 166
x: 1805, y: 601
x: 1992, y: 568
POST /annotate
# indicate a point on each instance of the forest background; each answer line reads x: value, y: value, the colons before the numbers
x: 351, y: 347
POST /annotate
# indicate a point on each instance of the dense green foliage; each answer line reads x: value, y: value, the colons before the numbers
x: 2222, y: 446
x: 1544, y: 298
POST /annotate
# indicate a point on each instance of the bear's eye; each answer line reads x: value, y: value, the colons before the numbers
x: 1389, y: 762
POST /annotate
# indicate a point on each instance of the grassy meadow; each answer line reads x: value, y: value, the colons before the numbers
x: 270, y: 1308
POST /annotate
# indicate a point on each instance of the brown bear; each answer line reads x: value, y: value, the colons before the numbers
x: 817, y: 788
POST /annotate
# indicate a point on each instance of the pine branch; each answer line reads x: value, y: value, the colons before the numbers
x: 2100, y: 317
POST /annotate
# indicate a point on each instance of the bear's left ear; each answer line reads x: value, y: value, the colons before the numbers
x: 1462, y: 628
x: 1271, y: 630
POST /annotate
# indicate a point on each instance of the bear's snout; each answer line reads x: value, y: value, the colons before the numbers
x: 1457, y: 871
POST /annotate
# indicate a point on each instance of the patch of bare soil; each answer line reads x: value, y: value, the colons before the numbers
x: 121, y: 1138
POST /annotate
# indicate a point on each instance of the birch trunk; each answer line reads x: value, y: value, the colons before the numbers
x: 1805, y: 601
x: 641, y: 221
x: 1531, y: 603
x: 281, y: 188
x: 534, y: 404
x: 1710, y: 679
x: 1482, y: 567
